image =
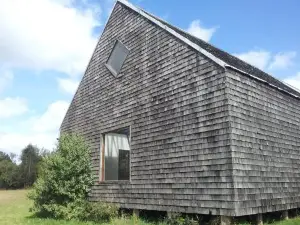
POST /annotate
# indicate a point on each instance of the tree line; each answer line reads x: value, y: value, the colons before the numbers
x: 21, y: 174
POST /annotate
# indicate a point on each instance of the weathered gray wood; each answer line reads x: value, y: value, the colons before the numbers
x: 259, y: 219
x: 285, y: 214
x: 174, y: 100
x: 225, y: 220
x: 136, y: 212
x: 265, y: 146
x: 203, y: 140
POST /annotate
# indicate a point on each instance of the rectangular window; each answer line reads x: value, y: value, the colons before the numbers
x: 117, y: 58
x: 115, y: 156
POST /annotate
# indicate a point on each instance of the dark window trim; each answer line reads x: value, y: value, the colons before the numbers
x: 108, y: 66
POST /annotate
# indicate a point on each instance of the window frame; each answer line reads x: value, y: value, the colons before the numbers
x: 115, y: 73
x: 102, y: 156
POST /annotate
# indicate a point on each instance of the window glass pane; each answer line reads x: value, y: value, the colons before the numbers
x: 113, y: 144
x: 123, y: 164
x: 117, y: 57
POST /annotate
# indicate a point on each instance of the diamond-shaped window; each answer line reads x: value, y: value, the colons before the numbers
x: 116, y: 58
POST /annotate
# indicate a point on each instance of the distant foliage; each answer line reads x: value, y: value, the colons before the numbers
x: 65, y: 178
x: 30, y: 159
x: 12, y: 175
x: 4, y: 156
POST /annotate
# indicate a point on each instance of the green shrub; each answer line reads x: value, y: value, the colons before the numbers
x: 216, y: 220
x: 65, y: 178
x: 99, y: 212
x: 179, y: 219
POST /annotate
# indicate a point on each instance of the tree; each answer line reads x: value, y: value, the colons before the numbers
x: 9, y: 175
x: 14, y: 176
x: 29, y: 164
x: 5, y: 170
x: 4, y: 156
x: 65, y: 177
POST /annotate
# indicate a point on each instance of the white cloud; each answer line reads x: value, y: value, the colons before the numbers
x: 260, y: 58
x: 39, y: 36
x: 196, y: 29
x: 282, y: 60
x: 265, y: 60
x: 68, y: 85
x: 15, y: 142
x: 52, y: 118
x: 39, y: 130
x: 6, y: 78
x: 64, y: 2
x: 10, y: 107
x: 293, y: 80
x: 47, y: 35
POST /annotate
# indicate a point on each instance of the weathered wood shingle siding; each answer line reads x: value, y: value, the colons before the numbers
x: 174, y: 100
x: 265, y: 143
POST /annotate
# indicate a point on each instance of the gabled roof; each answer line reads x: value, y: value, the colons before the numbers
x: 219, y: 56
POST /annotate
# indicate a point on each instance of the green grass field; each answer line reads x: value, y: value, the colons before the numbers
x: 14, y: 210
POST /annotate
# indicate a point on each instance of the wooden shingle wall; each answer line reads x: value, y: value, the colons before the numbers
x: 174, y: 100
x: 265, y: 143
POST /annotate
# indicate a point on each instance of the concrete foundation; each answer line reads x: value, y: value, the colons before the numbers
x: 259, y: 219
x: 285, y: 214
x: 225, y: 220
x: 136, y: 212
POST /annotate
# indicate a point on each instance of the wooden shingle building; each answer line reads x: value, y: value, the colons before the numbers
x: 178, y: 125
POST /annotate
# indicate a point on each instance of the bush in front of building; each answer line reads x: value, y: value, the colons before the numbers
x: 64, y: 180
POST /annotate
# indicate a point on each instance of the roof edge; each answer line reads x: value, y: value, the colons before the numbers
x: 91, y: 56
x: 174, y: 33
x: 199, y: 49
x: 263, y: 81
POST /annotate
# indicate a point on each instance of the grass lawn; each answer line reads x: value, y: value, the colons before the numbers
x: 14, y: 210
x: 289, y: 222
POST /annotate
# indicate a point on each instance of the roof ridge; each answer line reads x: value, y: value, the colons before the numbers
x: 226, y: 65
x: 172, y: 31
x: 218, y: 55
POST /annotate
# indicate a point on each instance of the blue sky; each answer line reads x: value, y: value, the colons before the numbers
x: 45, y: 46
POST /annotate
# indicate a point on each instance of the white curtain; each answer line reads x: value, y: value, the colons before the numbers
x: 114, y: 142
